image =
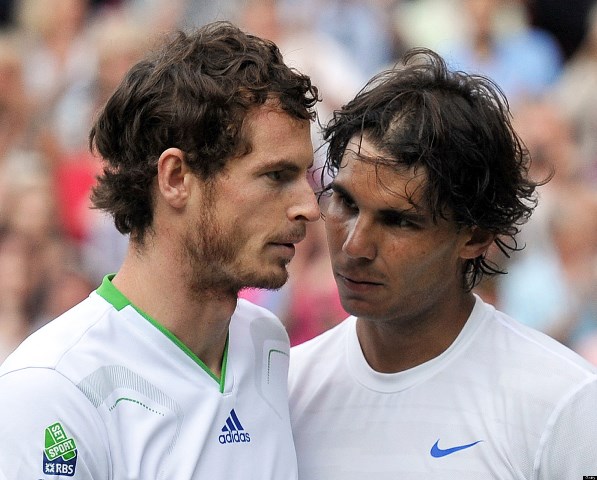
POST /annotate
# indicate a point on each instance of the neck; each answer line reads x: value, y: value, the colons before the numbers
x: 155, y: 284
x: 391, y: 347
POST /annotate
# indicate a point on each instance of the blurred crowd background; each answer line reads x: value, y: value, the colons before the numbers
x: 61, y: 59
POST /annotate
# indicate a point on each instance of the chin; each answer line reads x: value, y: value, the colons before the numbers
x: 273, y: 281
x: 359, y: 308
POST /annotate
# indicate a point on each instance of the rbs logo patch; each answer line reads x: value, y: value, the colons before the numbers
x: 60, y: 452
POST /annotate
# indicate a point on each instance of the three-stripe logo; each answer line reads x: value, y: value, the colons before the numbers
x: 233, y: 431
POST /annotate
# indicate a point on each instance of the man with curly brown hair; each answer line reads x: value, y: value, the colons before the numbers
x: 162, y: 372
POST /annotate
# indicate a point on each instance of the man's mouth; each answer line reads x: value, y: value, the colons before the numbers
x: 289, y: 240
x: 355, y: 281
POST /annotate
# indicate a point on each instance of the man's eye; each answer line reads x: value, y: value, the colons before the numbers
x: 399, y: 221
x: 276, y: 175
x: 345, y: 201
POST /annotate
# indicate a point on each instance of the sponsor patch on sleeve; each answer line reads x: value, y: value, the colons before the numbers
x: 60, y: 452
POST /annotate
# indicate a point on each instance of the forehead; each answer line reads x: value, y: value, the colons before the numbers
x: 368, y: 172
x: 271, y: 119
x: 271, y: 136
x: 269, y: 125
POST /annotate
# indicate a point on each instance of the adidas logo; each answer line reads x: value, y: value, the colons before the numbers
x: 233, y: 431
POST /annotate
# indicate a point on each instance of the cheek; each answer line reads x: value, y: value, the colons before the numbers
x: 417, y: 252
x: 432, y: 261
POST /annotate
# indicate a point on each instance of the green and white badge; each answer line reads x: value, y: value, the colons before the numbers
x: 60, y: 452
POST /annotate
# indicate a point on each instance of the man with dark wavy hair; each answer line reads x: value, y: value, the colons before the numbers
x: 162, y: 373
x: 425, y: 380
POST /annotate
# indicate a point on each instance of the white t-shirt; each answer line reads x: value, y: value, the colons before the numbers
x: 503, y: 402
x: 104, y: 392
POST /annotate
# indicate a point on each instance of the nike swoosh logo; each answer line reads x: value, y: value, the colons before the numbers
x: 440, y: 452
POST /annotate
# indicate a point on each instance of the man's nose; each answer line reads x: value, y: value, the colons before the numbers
x: 359, y: 240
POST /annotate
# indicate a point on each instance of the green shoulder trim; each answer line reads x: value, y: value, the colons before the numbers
x: 112, y: 295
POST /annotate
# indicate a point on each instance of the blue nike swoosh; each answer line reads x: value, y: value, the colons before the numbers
x: 439, y: 452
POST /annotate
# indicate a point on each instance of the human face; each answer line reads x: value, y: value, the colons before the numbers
x: 391, y: 262
x: 257, y: 208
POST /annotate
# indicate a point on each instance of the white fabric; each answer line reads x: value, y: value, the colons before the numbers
x: 137, y: 406
x: 529, y: 402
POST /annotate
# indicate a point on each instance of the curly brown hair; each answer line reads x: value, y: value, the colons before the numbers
x: 193, y: 94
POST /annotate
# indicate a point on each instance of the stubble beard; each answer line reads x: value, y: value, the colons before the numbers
x: 214, y: 257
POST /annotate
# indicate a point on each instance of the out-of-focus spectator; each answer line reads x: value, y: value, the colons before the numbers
x: 118, y: 43
x: 16, y: 286
x: 17, y: 126
x: 33, y: 210
x: 548, y: 136
x: 501, y: 44
x: 555, y: 290
x: 15, y: 106
x: 59, y: 52
x: 575, y: 96
x: 52, y: 260
x: 364, y: 28
x: 552, y: 284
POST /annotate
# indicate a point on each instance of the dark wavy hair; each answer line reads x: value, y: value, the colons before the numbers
x: 194, y: 94
x: 455, y: 127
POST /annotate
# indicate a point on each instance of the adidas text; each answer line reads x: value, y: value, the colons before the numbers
x: 234, y: 437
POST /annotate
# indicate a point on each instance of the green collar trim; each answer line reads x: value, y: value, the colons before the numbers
x: 112, y: 295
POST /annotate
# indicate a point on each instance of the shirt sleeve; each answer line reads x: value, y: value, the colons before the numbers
x: 570, y: 447
x: 49, y: 429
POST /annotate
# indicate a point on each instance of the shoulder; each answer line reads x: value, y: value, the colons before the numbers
x: 523, y: 359
x: 24, y: 386
x: 39, y: 407
x: 567, y: 449
x: 47, y: 346
x: 537, y: 347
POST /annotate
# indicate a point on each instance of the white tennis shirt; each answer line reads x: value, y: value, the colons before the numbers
x: 104, y: 392
x: 504, y: 402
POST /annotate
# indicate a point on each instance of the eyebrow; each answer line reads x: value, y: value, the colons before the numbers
x: 282, y: 164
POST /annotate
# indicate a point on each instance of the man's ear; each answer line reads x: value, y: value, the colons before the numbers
x: 172, y: 170
x: 479, y: 241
